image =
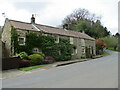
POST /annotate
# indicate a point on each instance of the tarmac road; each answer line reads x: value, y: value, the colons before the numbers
x: 95, y: 73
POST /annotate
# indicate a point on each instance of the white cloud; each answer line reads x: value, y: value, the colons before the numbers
x: 54, y: 11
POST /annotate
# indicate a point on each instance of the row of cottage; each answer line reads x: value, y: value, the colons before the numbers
x: 80, y: 40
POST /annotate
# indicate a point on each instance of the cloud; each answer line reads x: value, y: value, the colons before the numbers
x: 52, y: 12
x: 31, y: 6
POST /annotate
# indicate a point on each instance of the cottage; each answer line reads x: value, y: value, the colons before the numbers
x: 80, y: 40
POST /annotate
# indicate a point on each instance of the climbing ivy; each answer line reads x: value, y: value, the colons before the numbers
x: 14, y: 39
x: 60, y: 51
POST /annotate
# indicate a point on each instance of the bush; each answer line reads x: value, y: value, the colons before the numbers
x: 63, y: 58
x: 24, y: 63
x: 36, y: 59
x: 36, y: 52
x: 48, y: 60
x: 83, y: 57
x: 22, y: 55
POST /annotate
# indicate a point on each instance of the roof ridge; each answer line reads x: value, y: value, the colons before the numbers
x: 49, y: 26
x: 69, y: 31
x: 18, y: 21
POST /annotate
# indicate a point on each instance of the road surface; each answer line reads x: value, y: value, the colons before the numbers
x: 95, y: 73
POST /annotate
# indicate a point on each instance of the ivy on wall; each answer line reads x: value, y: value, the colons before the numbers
x: 60, y: 51
x: 14, y: 39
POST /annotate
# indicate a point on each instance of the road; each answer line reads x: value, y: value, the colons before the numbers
x: 95, y: 73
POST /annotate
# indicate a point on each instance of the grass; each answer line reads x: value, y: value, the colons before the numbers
x: 105, y: 53
x: 32, y: 67
x: 113, y: 49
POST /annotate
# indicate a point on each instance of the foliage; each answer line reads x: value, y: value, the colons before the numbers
x: 83, y: 57
x: 111, y: 41
x: 48, y: 60
x: 36, y: 52
x: 36, y: 59
x: 32, y: 67
x: 92, y: 29
x: 59, y: 51
x: 24, y: 63
x: 22, y: 55
x: 105, y: 53
x: 82, y: 19
x: 14, y: 39
x: 100, y: 45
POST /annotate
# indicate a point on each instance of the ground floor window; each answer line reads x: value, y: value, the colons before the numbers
x: 21, y: 40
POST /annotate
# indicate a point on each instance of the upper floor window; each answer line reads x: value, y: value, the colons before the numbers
x: 56, y: 39
x: 71, y: 40
x: 21, y: 40
x: 82, y: 42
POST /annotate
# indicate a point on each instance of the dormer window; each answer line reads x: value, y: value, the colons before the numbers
x: 21, y: 40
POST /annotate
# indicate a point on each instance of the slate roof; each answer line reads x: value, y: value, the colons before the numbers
x: 49, y: 29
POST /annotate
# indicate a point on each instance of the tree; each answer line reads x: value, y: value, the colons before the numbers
x: 76, y: 16
x: 100, y: 45
x: 82, y: 20
x: 92, y: 28
x: 111, y: 41
x: 117, y: 35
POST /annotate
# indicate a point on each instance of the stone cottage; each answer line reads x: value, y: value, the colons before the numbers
x: 80, y: 40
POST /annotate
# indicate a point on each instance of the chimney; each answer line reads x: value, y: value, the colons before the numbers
x: 83, y: 31
x: 65, y: 26
x: 33, y: 19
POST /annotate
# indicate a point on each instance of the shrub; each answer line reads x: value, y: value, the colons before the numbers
x: 36, y: 52
x: 63, y: 58
x: 48, y: 60
x: 24, y: 63
x: 22, y: 55
x: 83, y: 57
x: 36, y: 59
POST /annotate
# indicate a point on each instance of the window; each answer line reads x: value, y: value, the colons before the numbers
x: 76, y: 51
x: 35, y: 50
x: 82, y: 42
x: 45, y: 34
x: 73, y: 51
x: 21, y: 40
x: 71, y: 40
x: 56, y: 39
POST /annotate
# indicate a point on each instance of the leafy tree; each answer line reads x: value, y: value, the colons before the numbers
x: 82, y: 20
x: 111, y: 41
x: 100, y: 45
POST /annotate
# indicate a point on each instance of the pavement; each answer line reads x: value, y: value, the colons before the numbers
x: 95, y: 73
x: 15, y: 72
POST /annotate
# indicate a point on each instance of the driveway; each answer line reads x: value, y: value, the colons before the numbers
x: 96, y: 73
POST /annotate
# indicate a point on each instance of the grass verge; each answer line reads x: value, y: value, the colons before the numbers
x: 113, y: 49
x: 105, y: 53
x: 32, y: 67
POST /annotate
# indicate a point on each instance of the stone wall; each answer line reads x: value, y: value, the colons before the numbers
x: 6, y: 37
x: 90, y: 44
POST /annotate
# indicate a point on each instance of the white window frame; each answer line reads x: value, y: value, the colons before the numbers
x: 24, y: 40
x: 71, y: 40
x: 82, y: 42
x: 45, y: 34
x: 76, y: 51
x: 56, y: 39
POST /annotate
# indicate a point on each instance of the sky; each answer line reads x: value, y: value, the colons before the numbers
x: 52, y: 12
